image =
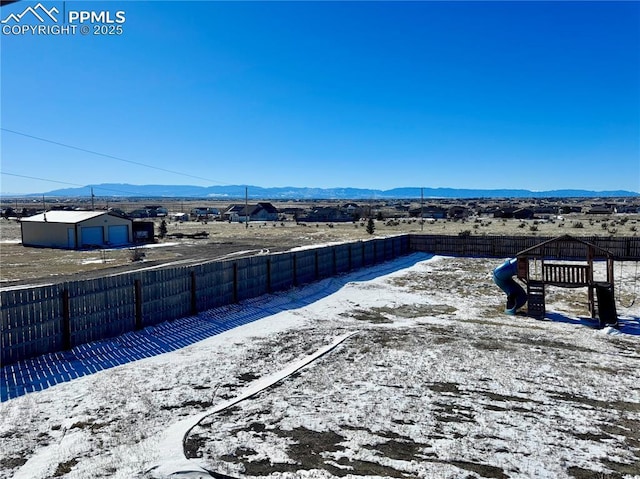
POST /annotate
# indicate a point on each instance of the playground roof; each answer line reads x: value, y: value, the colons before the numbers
x: 560, y: 248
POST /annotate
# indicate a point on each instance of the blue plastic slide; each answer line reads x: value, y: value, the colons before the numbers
x: 503, y: 277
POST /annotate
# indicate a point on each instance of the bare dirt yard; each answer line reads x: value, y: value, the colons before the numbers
x: 433, y: 381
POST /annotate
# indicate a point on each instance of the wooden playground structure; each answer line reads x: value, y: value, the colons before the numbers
x: 541, y: 266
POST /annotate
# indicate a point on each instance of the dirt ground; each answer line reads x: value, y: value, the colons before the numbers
x: 26, y: 265
x: 437, y: 383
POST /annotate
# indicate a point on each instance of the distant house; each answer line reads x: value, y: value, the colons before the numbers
x: 260, y: 212
x: 505, y: 212
x: 429, y: 211
x: 546, y: 210
x: 156, y: 211
x: 523, y: 214
x: 28, y: 212
x: 566, y: 209
x: 233, y: 212
x: 627, y: 209
x: 76, y: 229
x: 292, y: 212
x: 326, y: 214
x: 351, y: 209
x: 9, y: 213
x: 140, y: 213
x: 180, y: 217
x: 117, y: 212
x: 205, y: 212
x: 264, y: 212
x: 459, y: 212
x: 600, y: 210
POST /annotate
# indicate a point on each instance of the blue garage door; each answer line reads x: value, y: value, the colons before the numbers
x: 71, y: 237
x: 118, y: 234
x: 92, y: 236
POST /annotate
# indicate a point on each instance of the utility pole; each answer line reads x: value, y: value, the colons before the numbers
x: 246, y: 207
x: 422, y: 209
x: 93, y: 208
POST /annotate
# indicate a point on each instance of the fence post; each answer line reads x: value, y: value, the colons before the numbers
x: 138, y: 295
x: 235, y: 282
x: 334, y: 270
x: 66, y: 320
x: 295, y: 270
x: 269, y: 275
x: 194, y: 299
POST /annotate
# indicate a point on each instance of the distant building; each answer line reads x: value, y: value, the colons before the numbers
x: 180, y: 217
x: 627, y: 209
x: 600, y: 210
x: 233, y: 212
x: 326, y: 214
x: 429, y: 211
x: 505, y: 212
x: 264, y: 212
x: 205, y: 212
x: 458, y: 212
x: 352, y: 209
x: 156, y: 211
x: 260, y: 212
x: 523, y: 214
x: 76, y: 230
x: 566, y: 209
x: 143, y: 231
x: 140, y: 213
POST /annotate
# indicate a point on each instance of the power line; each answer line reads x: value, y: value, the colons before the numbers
x: 41, y: 179
x: 67, y: 183
x: 104, y: 155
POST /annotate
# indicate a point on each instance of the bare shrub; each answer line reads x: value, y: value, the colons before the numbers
x: 136, y: 254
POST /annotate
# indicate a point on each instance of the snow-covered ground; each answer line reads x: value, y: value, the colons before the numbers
x: 406, y: 369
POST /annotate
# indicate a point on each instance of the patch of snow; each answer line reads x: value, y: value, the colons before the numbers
x: 97, y: 261
x: 158, y: 245
x: 438, y: 382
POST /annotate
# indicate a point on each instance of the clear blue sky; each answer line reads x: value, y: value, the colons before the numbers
x: 539, y: 95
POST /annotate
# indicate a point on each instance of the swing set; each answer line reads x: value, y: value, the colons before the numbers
x: 568, y: 262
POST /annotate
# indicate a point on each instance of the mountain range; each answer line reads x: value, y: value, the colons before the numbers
x: 303, y: 193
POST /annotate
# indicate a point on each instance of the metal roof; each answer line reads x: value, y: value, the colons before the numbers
x: 69, y: 217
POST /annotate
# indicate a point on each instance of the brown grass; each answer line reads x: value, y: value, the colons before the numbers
x: 20, y: 263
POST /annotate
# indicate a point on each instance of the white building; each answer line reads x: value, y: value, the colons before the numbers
x: 76, y: 229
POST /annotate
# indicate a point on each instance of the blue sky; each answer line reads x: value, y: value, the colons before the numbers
x: 534, y: 95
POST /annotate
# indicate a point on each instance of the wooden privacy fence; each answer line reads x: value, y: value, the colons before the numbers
x: 623, y: 248
x: 46, y: 319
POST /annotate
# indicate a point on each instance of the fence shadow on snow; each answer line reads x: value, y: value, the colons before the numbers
x: 47, y: 370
